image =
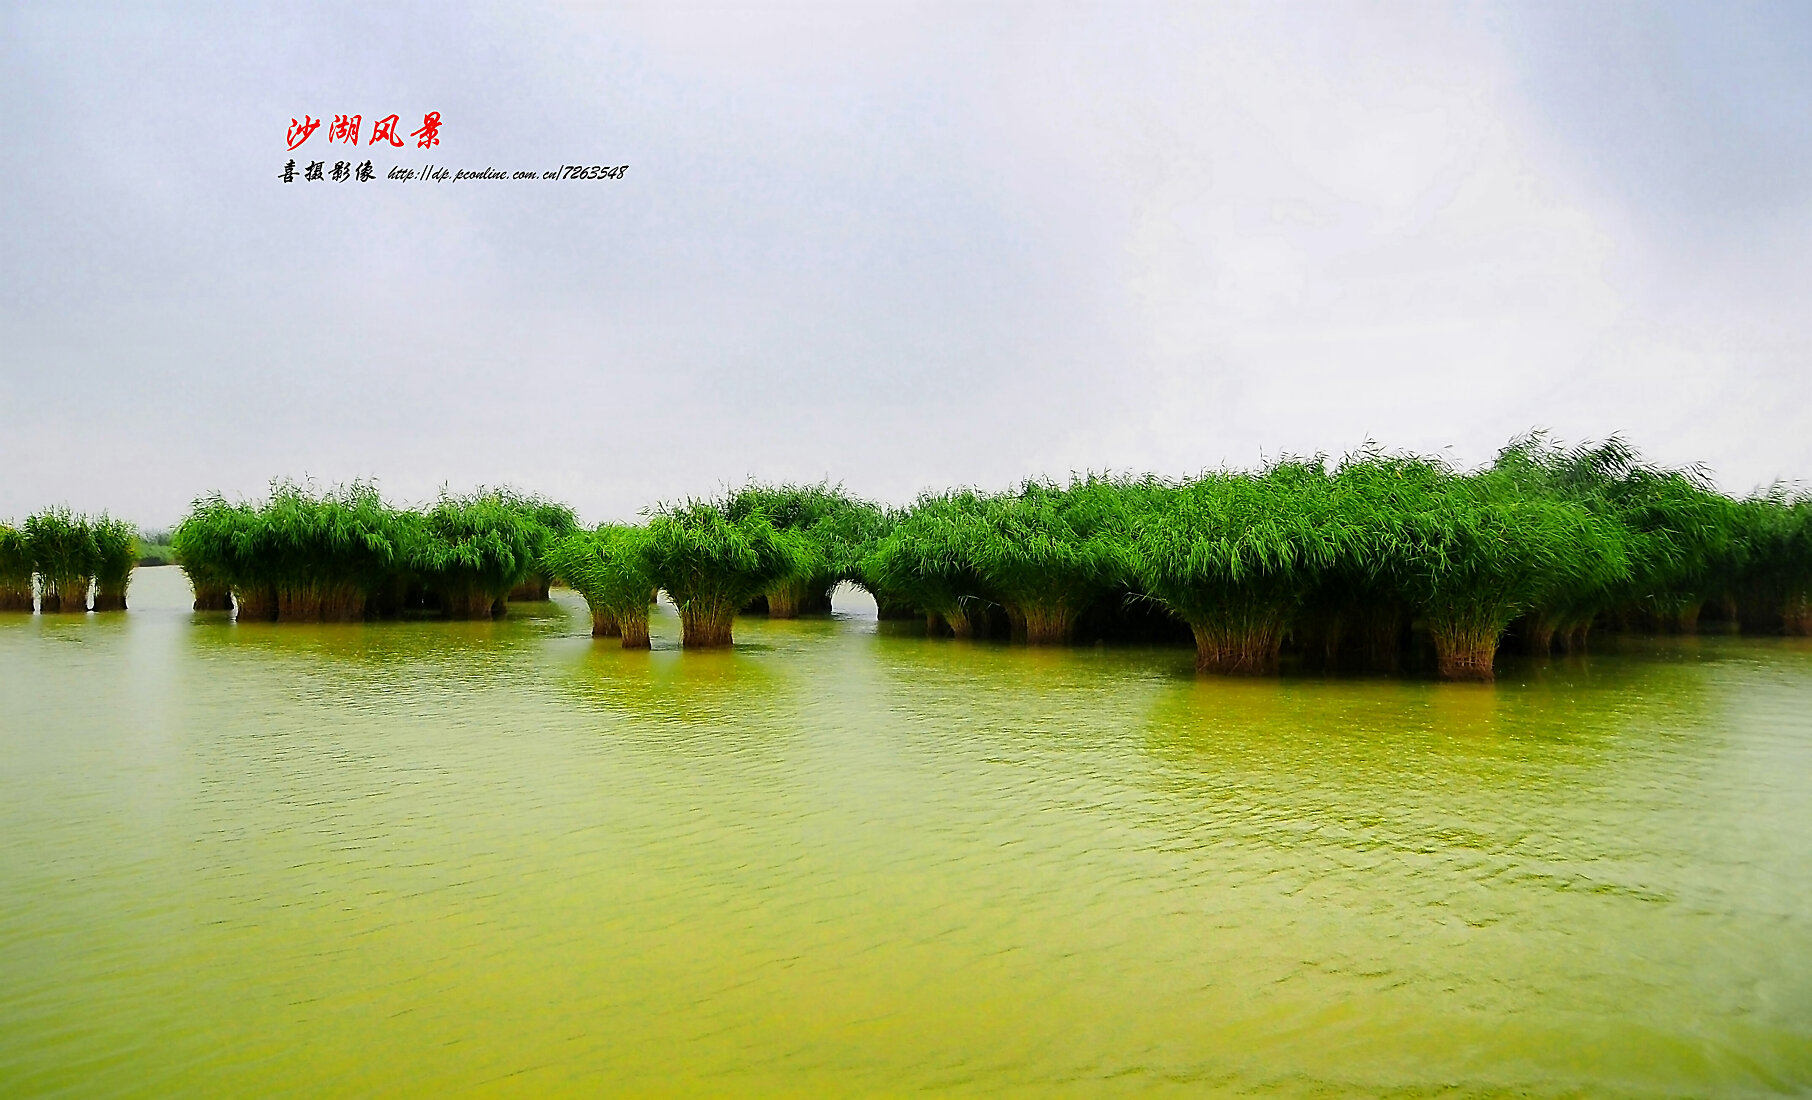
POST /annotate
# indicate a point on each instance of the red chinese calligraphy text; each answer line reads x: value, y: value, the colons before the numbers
x: 384, y: 129
x: 429, y: 134
x: 300, y: 132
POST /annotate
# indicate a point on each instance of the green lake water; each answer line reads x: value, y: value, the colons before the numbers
x: 445, y: 859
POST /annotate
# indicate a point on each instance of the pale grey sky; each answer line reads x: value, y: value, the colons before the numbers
x: 897, y: 246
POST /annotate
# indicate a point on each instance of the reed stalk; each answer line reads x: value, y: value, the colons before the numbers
x: 64, y: 555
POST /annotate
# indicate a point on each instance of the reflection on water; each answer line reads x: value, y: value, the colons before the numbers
x: 502, y: 858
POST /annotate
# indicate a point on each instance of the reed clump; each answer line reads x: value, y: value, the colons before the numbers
x: 611, y: 567
x: 472, y: 550
x: 344, y: 554
x: 1676, y: 532
x: 56, y: 557
x: 17, y: 570
x: 116, y: 554
x: 299, y: 556
x: 1770, y: 570
x: 922, y: 561
x: 551, y: 522
x: 830, y: 529
x: 712, y: 564
x: 64, y: 555
x: 1478, y: 555
x: 1237, y: 556
x: 215, y: 545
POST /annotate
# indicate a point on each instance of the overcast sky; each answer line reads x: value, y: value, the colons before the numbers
x: 897, y: 247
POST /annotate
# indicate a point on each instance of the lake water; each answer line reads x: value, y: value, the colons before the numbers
x: 503, y: 859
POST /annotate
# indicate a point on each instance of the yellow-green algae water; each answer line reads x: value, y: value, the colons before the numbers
x: 501, y: 859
